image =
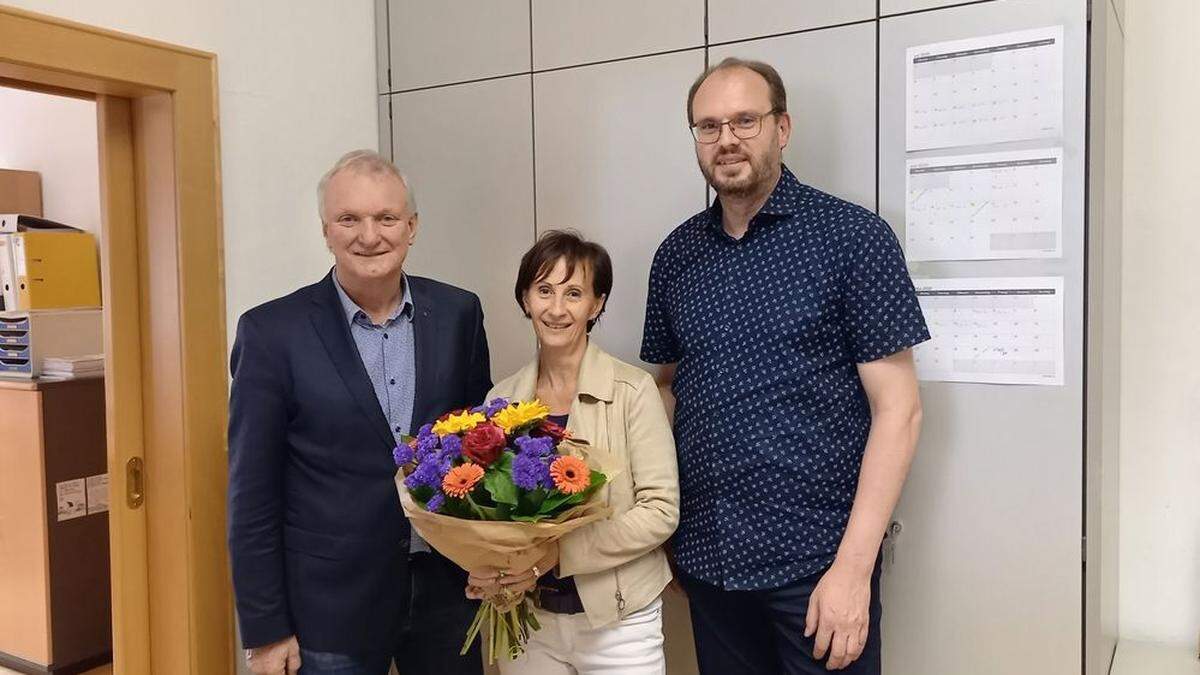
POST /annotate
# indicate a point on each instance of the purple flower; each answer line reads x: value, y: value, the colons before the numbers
x: 426, y: 445
x: 452, y: 446
x: 426, y: 431
x: 428, y: 473
x: 541, y: 446
x: 435, y: 502
x: 402, y: 454
x: 494, y: 406
x: 529, y: 470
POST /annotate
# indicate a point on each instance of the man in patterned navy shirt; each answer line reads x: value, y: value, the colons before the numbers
x: 784, y: 319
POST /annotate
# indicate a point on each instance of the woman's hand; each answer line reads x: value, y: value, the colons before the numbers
x: 488, y: 582
x: 483, y: 583
x: 515, y: 581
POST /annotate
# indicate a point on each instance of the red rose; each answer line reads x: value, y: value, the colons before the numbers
x: 553, y: 430
x: 484, y: 444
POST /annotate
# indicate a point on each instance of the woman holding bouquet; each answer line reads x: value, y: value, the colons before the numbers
x: 599, y: 587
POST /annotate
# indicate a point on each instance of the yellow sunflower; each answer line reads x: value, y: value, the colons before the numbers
x: 453, y: 424
x: 519, y: 414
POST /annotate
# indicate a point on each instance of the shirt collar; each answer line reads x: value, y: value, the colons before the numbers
x: 783, y: 202
x: 352, y: 310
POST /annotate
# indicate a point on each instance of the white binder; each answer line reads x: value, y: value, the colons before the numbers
x: 8, y: 275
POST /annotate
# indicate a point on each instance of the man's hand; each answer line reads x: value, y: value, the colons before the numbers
x: 278, y: 658
x: 838, y: 613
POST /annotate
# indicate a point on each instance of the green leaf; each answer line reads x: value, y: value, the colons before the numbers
x: 458, y: 508
x: 552, y: 503
x: 481, y: 496
x: 598, y: 480
x: 480, y: 512
x: 536, y: 518
x: 530, y: 501
x: 499, y: 483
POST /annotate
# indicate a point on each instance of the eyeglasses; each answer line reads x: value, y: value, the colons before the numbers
x: 743, y: 125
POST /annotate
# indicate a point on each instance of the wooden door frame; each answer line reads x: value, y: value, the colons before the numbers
x: 163, y: 288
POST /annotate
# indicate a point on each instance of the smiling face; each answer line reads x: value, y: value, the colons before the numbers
x: 560, y: 307
x: 367, y: 225
x: 733, y: 166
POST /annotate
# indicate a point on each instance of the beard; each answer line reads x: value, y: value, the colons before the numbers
x: 751, y: 183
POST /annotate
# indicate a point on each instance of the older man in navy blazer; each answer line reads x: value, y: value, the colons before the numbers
x: 328, y: 576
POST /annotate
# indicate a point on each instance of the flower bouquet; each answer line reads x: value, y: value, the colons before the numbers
x: 494, y: 486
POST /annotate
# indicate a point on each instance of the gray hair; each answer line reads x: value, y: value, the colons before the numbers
x: 364, y: 161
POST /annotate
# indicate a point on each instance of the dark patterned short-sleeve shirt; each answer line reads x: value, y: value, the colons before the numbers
x: 771, y: 419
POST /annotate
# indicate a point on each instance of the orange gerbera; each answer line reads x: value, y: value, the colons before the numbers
x: 462, y: 479
x: 570, y: 474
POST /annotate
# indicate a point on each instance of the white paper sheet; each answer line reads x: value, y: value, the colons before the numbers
x: 989, y: 89
x: 97, y: 493
x: 72, y: 500
x: 993, y: 206
x: 992, y: 330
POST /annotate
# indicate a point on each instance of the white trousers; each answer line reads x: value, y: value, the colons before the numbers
x: 567, y: 645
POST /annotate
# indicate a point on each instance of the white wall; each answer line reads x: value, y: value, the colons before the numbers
x: 297, y: 89
x: 1160, y: 439
x: 55, y: 136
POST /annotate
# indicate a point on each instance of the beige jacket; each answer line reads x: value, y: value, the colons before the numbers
x: 618, y: 563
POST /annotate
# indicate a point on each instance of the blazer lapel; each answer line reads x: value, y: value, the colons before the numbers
x: 330, y: 323
x: 425, y: 331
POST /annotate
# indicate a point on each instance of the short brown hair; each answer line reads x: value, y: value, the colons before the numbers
x: 566, y: 245
x: 768, y: 73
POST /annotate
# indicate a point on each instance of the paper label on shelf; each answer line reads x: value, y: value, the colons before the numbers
x: 72, y: 499
x: 97, y: 493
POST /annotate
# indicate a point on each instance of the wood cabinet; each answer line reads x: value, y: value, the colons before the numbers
x: 55, y: 606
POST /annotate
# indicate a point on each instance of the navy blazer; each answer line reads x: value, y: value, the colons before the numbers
x: 317, y: 539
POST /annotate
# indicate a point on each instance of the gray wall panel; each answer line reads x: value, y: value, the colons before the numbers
x: 456, y: 40
x: 468, y: 152
x: 1104, y: 337
x: 986, y: 577
x: 887, y: 7
x: 615, y: 160
x: 382, y: 46
x: 385, y: 125
x: 570, y: 32
x: 832, y: 108
x: 747, y: 19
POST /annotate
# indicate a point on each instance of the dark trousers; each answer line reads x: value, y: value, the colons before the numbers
x: 762, y: 632
x: 430, y: 636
